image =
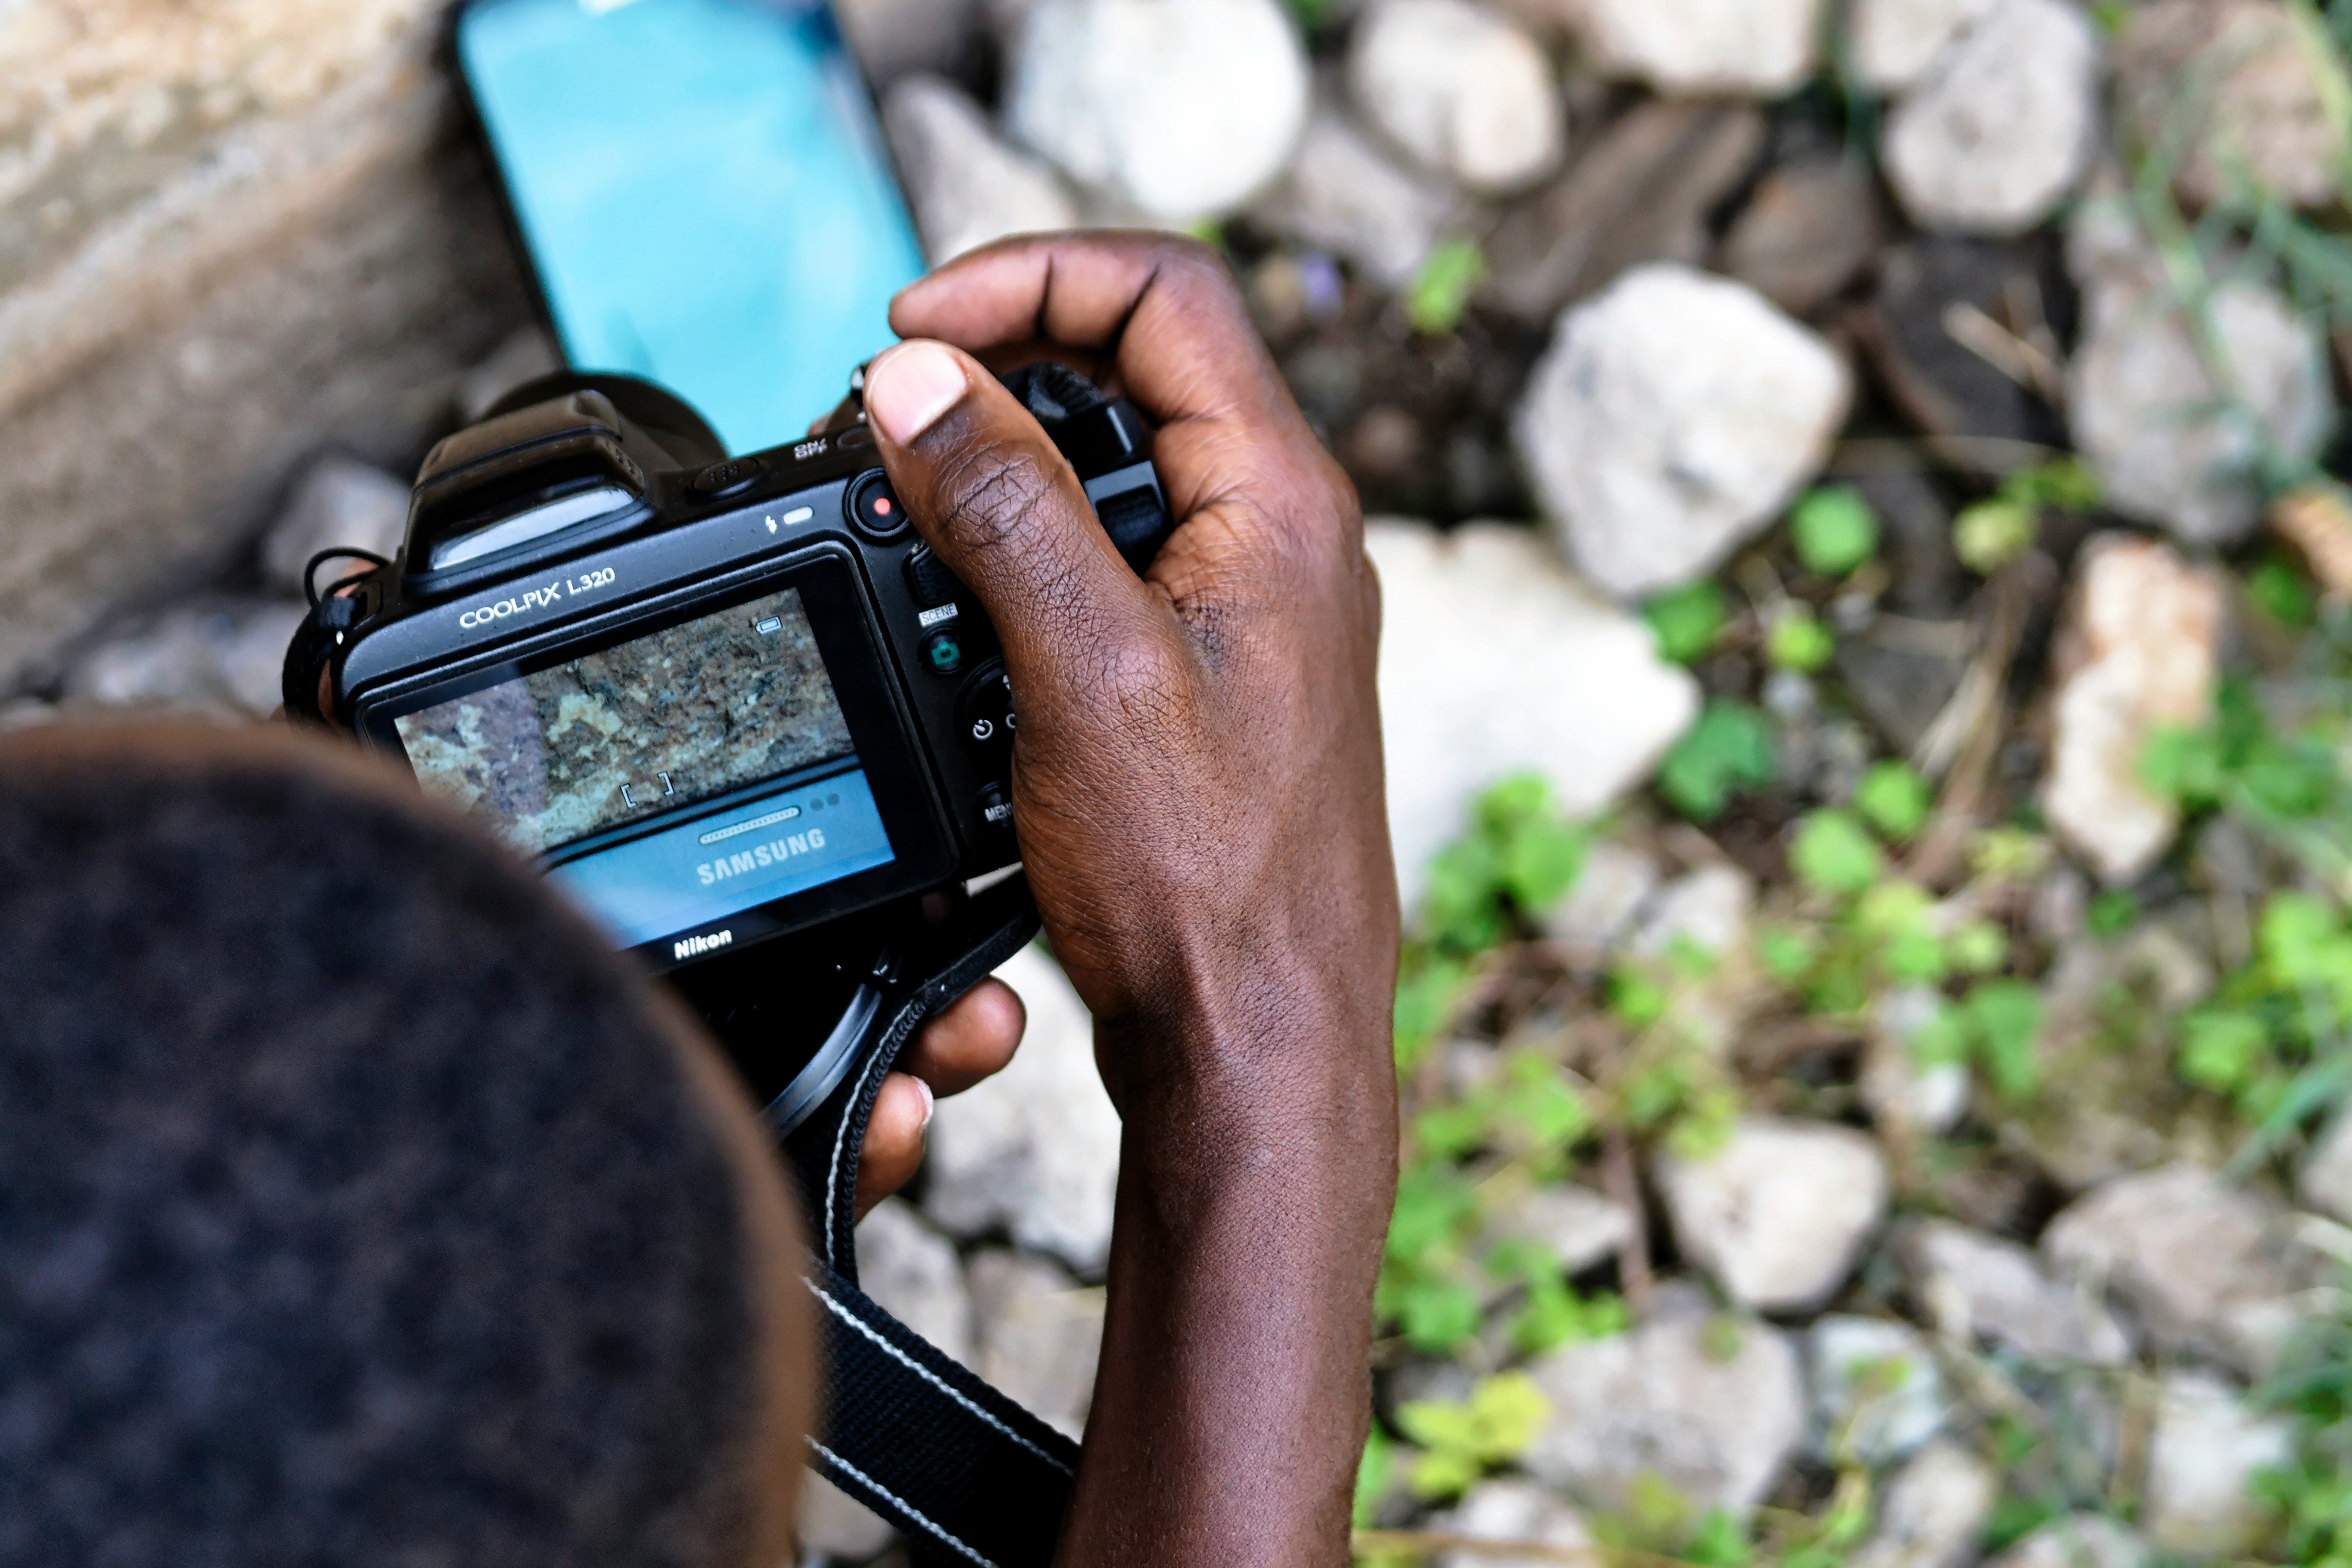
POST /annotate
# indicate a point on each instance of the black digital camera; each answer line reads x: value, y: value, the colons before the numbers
x: 721, y: 701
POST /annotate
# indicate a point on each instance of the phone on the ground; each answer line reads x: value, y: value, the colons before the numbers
x: 702, y: 192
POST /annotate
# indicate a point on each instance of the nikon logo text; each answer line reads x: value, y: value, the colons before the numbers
x: 699, y: 944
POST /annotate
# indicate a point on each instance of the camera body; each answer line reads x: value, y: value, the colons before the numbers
x: 721, y: 700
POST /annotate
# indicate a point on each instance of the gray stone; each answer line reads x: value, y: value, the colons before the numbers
x: 1761, y: 49
x: 2232, y: 81
x: 1461, y: 88
x: 1039, y: 1335
x: 894, y: 39
x: 836, y: 1526
x: 1876, y: 1391
x: 1901, y: 672
x: 2325, y: 1183
x: 1895, y: 43
x: 1778, y: 1215
x: 1897, y: 1088
x: 1809, y: 230
x: 2076, y: 1541
x: 912, y: 1270
x: 2140, y: 650
x: 1511, y: 1510
x: 1976, y: 1287
x: 1184, y: 109
x: 1713, y: 1405
x: 2004, y: 126
x: 1708, y: 908
x: 2205, y: 1268
x: 223, y: 657
x: 1576, y: 1224
x: 1601, y: 908
x: 337, y: 503
x: 1935, y: 1508
x: 1345, y: 195
x: 1937, y: 368
x: 1477, y: 625
x: 967, y: 187
x: 1672, y: 418
x: 2206, y: 1450
x: 1034, y: 1150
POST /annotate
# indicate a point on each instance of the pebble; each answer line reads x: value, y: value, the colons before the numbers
x: 2204, y: 1268
x: 1580, y: 1227
x: 1708, y: 908
x: 223, y: 657
x: 1935, y: 1508
x: 2230, y: 79
x: 966, y: 186
x: 2076, y: 1541
x: 1778, y: 1216
x: 1809, y: 230
x: 2139, y: 651
x: 1897, y: 1089
x: 834, y: 1525
x: 1895, y: 43
x: 2325, y: 1182
x: 1480, y: 625
x: 896, y: 38
x: 1712, y: 1405
x: 1461, y: 88
x: 1034, y: 1150
x: 2202, y: 1458
x: 1513, y: 1510
x: 1877, y: 1395
x: 1672, y: 418
x: 912, y: 1270
x: 1694, y: 49
x: 1346, y: 195
x: 2004, y: 127
x: 1601, y: 908
x: 1184, y: 108
x: 338, y: 503
x: 1038, y: 1335
x: 1974, y: 1287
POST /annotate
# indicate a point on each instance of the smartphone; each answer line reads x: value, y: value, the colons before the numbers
x: 702, y: 192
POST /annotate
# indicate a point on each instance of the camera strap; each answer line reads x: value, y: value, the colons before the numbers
x: 966, y: 1474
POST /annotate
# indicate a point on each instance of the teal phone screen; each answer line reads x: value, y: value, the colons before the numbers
x: 704, y: 193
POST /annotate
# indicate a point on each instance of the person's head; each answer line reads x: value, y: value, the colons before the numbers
x: 355, y: 1203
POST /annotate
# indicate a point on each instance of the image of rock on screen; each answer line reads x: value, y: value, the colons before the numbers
x: 671, y: 780
x: 702, y: 187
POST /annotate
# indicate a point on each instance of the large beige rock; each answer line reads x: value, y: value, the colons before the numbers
x: 1778, y: 1215
x: 2208, y: 1446
x: 1896, y: 43
x: 1759, y: 48
x: 1038, y: 1335
x: 1461, y: 88
x: 2235, y: 82
x: 1346, y: 195
x: 1936, y: 1507
x: 967, y: 187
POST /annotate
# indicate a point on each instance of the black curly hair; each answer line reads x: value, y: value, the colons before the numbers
x: 354, y: 1204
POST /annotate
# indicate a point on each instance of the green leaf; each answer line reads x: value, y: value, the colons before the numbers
x: 1437, y: 1316
x: 2283, y: 594
x: 1439, y: 295
x: 1729, y: 749
x: 1537, y: 1095
x: 1374, y: 1474
x: 1834, y: 854
x: 1785, y: 952
x: 1990, y: 534
x: 1686, y: 622
x: 1636, y: 999
x: 2221, y: 1049
x: 1719, y: 1541
x: 2112, y: 913
x: 1895, y: 800
x: 1432, y: 1204
x: 1426, y: 998
x: 1834, y: 530
x: 1541, y: 863
x: 2005, y: 1015
x: 1977, y: 947
x: 1798, y: 641
x: 2063, y: 484
x: 1499, y: 1423
x: 2184, y: 766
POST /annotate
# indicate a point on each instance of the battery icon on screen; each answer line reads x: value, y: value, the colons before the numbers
x: 770, y: 627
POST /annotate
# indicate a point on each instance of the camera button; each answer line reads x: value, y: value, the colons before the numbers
x: 995, y: 806
x: 874, y: 510
x: 928, y: 579
x: 943, y: 653
x: 984, y: 714
x: 852, y: 436
x: 727, y: 477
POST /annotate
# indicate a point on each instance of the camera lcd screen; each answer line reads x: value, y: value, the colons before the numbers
x: 672, y: 780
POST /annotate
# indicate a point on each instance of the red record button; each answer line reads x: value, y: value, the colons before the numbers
x: 874, y: 508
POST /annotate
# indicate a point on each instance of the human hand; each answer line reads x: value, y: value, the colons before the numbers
x: 972, y: 1039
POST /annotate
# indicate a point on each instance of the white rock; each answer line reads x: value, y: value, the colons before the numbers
x: 1514, y: 1510
x: 2325, y: 1183
x: 1035, y: 1148
x: 1039, y: 1335
x: 1608, y: 896
x: 1897, y: 1088
x: 1712, y: 1405
x: 338, y: 503
x: 912, y: 1270
x: 832, y: 1524
x: 967, y: 187
x: 2204, y: 1267
x: 1778, y: 1215
x: 1973, y: 1285
x: 2076, y: 1541
x: 2006, y: 124
x: 1461, y: 88
x: 223, y: 659
x: 2140, y: 650
x: 1755, y: 48
x: 2234, y: 81
x: 1897, y: 42
x: 1578, y: 1226
x: 1184, y: 108
x: 1671, y: 419
x: 1935, y: 1508
x: 1493, y: 660
x: 894, y: 39
x: 1708, y: 908
x: 1877, y: 1394
x: 1345, y: 195
x: 2205, y: 1451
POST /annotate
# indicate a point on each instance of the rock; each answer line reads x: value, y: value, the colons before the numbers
x: 2202, y: 1458
x: 1035, y: 1148
x: 26, y: 713
x: 834, y: 1525
x: 2325, y: 1183
x: 2205, y: 1268
x: 1461, y: 88
x: 1935, y: 1508
x: 2171, y: 443
x: 337, y: 503
x: 1671, y: 419
x: 222, y: 657
x: 1711, y: 1405
x: 1894, y: 42
x: 912, y: 1270
x: 1038, y: 1335
x: 2004, y: 126
x: 1977, y: 1287
x: 1694, y: 48
x: 1345, y: 195
x: 1513, y: 1510
x: 1944, y: 303
x: 966, y: 187
x: 2076, y: 1541
x: 1609, y: 894
x: 1778, y: 1216
x: 526, y: 355
x: 1478, y: 625
x: 1184, y: 108
x: 1578, y: 1226
x: 2231, y: 81
x: 895, y: 39
x: 1917, y: 539
x: 1897, y: 1089
x: 1901, y: 672
x: 1642, y: 192
x: 2139, y: 651
x: 1877, y: 1395
x: 1809, y: 230
x: 1708, y: 908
